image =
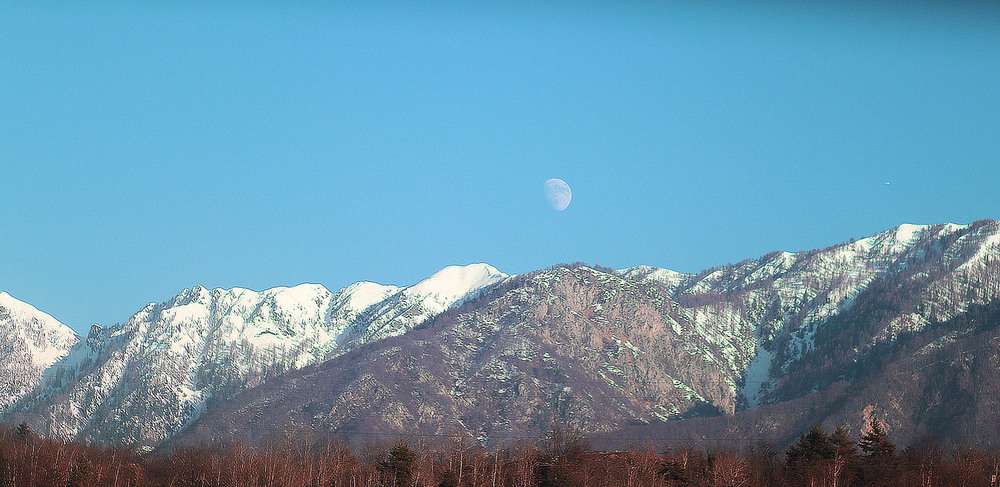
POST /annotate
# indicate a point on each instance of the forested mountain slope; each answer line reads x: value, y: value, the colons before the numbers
x: 144, y: 380
x: 30, y: 342
x: 601, y: 349
x: 475, y: 351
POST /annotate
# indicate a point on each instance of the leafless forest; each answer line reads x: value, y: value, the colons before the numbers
x: 564, y: 458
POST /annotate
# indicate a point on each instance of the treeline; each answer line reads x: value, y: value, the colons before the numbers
x: 562, y: 459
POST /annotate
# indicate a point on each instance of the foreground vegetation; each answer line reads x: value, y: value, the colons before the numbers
x: 562, y: 459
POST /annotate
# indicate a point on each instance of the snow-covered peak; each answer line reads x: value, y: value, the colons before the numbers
x: 456, y: 282
x: 26, y: 321
x: 893, y: 241
x: 666, y: 276
x: 904, y: 235
x: 24, y: 311
x: 206, y: 345
x: 304, y: 297
x: 195, y: 295
x: 360, y: 295
x: 33, y: 340
x: 412, y: 305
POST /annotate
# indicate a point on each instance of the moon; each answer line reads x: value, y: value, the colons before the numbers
x: 558, y: 194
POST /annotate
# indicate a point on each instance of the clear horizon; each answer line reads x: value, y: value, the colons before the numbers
x: 148, y: 149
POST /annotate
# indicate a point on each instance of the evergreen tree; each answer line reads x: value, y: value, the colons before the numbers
x: 812, y: 446
x: 876, y: 444
x: 400, y: 465
x: 554, y: 474
x: 879, y: 466
x: 79, y: 473
x: 843, y: 447
x: 808, y: 458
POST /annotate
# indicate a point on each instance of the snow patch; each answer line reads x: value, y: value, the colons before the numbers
x: 906, y: 232
x: 666, y: 276
x: 756, y: 375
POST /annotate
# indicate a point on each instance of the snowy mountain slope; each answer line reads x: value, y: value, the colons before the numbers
x: 672, y: 279
x: 788, y: 299
x: 32, y: 342
x: 940, y: 383
x: 601, y: 350
x: 412, y: 305
x: 572, y: 345
x: 144, y: 380
x: 474, y: 349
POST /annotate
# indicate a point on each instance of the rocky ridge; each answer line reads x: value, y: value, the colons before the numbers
x: 601, y: 349
x: 144, y: 380
x: 474, y: 351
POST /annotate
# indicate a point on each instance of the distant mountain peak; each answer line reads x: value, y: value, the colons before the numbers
x: 642, y: 344
x: 453, y: 282
x: 15, y: 305
x: 172, y: 361
x: 31, y: 342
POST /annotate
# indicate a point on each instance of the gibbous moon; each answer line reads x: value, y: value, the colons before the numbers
x: 558, y: 194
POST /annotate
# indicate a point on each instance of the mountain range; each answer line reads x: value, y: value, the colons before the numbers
x: 899, y: 326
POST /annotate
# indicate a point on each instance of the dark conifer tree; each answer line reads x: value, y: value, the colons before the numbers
x: 400, y: 465
x: 561, y: 463
x: 879, y: 466
x: 812, y: 446
x: 843, y: 447
x: 876, y: 444
x: 807, y: 460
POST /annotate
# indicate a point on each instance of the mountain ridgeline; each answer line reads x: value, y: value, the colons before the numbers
x: 141, y: 382
x: 760, y: 349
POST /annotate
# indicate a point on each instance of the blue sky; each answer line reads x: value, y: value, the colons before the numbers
x: 146, y: 149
